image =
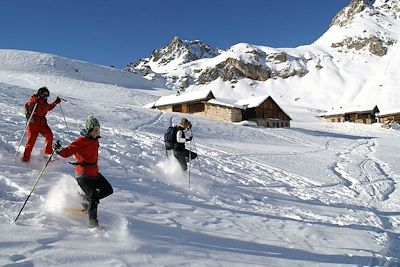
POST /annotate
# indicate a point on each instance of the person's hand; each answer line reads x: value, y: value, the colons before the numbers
x: 58, y: 100
x: 57, y: 147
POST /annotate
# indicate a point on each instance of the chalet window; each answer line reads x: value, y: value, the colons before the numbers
x: 177, y: 108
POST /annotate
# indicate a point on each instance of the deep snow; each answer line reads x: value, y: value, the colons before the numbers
x: 315, y: 194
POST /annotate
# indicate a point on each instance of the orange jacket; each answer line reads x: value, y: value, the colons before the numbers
x: 86, y: 151
x: 41, y: 110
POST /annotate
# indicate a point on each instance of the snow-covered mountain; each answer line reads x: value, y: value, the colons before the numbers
x: 353, y: 63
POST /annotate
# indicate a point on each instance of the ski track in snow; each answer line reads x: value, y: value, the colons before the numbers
x: 227, y: 189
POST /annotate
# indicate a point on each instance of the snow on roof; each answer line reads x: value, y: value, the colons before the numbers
x: 389, y: 112
x: 149, y: 105
x: 250, y: 102
x: 348, y: 109
x: 223, y: 102
x: 182, y: 97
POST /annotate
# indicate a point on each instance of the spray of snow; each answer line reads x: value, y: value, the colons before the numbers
x: 64, y: 194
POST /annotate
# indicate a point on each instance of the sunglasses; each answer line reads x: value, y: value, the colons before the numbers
x: 45, y: 95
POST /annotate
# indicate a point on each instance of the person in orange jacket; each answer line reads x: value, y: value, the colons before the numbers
x: 38, y: 123
x: 86, y: 151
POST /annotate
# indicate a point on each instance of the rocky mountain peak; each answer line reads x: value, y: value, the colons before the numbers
x: 364, y: 27
x: 371, y: 8
x: 182, y: 52
x: 346, y: 15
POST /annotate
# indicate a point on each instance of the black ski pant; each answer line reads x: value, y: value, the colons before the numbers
x: 183, y: 157
x: 95, y: 189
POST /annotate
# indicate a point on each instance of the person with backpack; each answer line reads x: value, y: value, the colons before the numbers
x: 183, y: 135
x: 86, y: 150
x: 38, y: 123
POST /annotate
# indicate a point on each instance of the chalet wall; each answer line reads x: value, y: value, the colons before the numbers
x: 389, y: 118
x: 222, y: 113
x: 269, y: 109
x: 165, y: 108
x: 354, y: 117
x: 335, y: 119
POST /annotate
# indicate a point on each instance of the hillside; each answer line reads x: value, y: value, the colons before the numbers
x: 315, y: 194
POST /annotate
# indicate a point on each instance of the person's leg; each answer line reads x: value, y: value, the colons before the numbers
x: 180, y: 156
x: 105, y: 188
x: 89, y: 187
x: 48, y: 134
x: 32, y: 133
x: 192, y: 154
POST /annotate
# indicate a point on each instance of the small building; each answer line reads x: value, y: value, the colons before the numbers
x: 389, y: 116
x: 262, y: 110
x: 357, y: 114
x: 187, y: 102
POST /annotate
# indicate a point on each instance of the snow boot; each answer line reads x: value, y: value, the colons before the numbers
x: 93, y: 223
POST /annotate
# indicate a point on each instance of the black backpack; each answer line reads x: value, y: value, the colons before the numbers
x: 170, y: 137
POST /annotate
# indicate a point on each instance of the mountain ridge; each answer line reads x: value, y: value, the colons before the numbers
x: 362, y: 35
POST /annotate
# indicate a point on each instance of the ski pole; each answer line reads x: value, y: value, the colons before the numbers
x: 36, y: 182
x: 26, y: 127
x: 195, y: 148
x: 62, y: 111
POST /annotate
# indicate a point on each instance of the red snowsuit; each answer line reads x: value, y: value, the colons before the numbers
x: 38, y: 124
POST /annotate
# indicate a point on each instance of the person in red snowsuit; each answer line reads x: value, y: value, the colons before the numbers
x: 38, y: 123
x: 86, y: 151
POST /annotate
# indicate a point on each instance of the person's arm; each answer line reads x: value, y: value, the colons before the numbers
x: 71, y: 149
x: 54, y: 104
x: 30, y: 105
x: 179, y: 137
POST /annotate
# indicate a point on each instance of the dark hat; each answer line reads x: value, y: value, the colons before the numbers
x: 43, y: 90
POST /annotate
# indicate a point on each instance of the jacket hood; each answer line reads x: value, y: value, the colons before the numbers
x: 85, y: 133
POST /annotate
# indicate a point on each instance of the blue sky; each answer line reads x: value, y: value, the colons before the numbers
x: 116, y: 32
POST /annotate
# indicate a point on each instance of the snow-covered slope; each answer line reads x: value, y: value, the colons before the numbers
x: 353, y: 63
x: 315, y: 194
x: 67, y: 77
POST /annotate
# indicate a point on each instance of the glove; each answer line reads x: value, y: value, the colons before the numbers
x: 57, y: 147
x: 58, y: 100
x: 189, y: 139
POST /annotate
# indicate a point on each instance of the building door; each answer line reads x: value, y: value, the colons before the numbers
x: 249, y: 113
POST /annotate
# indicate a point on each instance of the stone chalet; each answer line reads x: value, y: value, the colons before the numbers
x: 262, y: 110
x: 358, y: 114
x: 388, y: 116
